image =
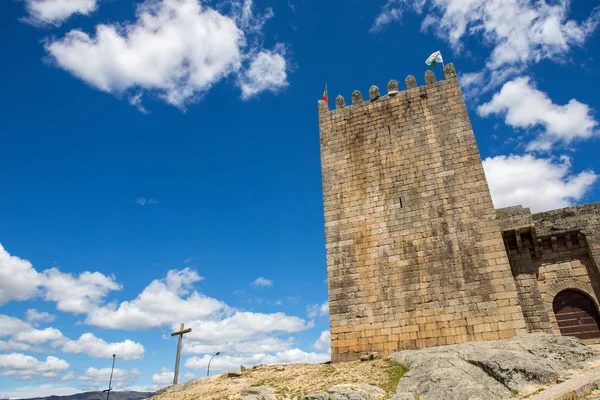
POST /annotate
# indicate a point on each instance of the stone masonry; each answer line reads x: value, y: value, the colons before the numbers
x: 551, y: 252
x: 415, y: 253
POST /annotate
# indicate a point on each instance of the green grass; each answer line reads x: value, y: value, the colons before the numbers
x: 395, y: 371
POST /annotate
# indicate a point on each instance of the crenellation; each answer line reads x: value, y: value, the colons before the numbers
x: 429, y: 77
x: 357, y: 98
x: 411, y: 82
x: 374, y: 93
x: 416, y: 254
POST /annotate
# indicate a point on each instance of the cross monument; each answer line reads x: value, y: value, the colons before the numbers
x: 181, y: 332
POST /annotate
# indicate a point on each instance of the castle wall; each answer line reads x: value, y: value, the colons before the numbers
x: 551, y: 252
x: 415, y: 255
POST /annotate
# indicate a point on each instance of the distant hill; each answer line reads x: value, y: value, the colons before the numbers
x: 114, y: 395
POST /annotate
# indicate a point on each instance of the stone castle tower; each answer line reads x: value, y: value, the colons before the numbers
x: 415, y: 254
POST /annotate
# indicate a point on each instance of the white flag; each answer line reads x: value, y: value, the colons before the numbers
x: 434, y: 58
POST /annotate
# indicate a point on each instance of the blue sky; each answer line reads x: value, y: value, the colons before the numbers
x: 160, y: 164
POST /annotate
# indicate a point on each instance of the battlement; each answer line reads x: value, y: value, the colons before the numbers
x: 393, y: 90
x: 415, y: 255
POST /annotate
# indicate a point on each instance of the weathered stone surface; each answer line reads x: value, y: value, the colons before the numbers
x: 393, y: 87
x: 234, y: 374
x: 259, y: 393
x: 551, y: 252
x: 403, y: 396
x: 348, y: 392
x: 488, y: 370
x: 374, y: 93
x: 415, y: 254
x: 429, y: 77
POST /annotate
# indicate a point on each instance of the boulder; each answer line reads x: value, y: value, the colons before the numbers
x: 348, y: 392
x: 234, y: 374
x: 487, y: 370
x: 259, y: 393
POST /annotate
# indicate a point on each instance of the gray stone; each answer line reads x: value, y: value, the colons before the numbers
x: 393, y: 87
x: 411, y: 82
x: 348, y: 392
x: 356, y: 97
x: 486, y: 370
x: 429, y: 77
x: 449, y: 71
x: 403, y: 396
x: 374, y: 93
x: 259, y: 393
x: 340, y: 102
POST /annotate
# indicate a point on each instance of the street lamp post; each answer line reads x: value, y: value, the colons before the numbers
x: 111, y: 376
x: 208, y: 370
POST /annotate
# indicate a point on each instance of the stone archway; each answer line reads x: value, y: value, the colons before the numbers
x: 576, y: 314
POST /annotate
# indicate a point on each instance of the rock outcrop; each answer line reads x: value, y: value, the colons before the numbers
x: 489, y: 370
x: 472, y: 371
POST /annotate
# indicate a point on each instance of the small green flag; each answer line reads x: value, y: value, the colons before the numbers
x: 434, y: 58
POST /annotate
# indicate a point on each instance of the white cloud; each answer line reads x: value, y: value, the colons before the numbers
x: 22, y: 366
x: 37, y: 336
x: 265, y: 345
x: 142, y: 201
x: 69, y: 376
x: 160, y: 303
x: 11, y: 325
x: 164, y: 377
x: 96, y: 347
x: 539, y: 183
x: 18, y: 279
x: 524, y: 106
x: 267, y: 72
x: 323, y: 343
x: 33, y: 315
x: 262, y: 282
x: 176, y: 49
x: 55, y: 12
x: 26, y: 392
x: 316, y: 310
x: 243, y: 326
x: 23, y: 335
x: 227, y: 362
x: 77, y: 294
x: 11, y: 345
x: 98, y: 378
x: 519, y: 31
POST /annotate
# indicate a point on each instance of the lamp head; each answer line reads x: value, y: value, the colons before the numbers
x: 218, y: 352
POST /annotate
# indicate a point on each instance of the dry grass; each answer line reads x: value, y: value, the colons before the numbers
x: 291, y: 381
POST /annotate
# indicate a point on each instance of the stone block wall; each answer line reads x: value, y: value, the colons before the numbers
x: 415, y: 255
x: 550, y: 252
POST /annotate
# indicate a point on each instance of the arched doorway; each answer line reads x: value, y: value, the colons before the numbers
x: 576, y: 315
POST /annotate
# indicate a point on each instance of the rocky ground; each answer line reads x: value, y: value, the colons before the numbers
x: 521, y: 367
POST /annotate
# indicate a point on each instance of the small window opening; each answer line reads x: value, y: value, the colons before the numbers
x: 400, y: 201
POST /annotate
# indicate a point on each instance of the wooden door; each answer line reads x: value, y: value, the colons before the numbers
x: 576, y: 315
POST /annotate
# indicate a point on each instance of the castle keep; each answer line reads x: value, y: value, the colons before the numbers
x: 416, y: 253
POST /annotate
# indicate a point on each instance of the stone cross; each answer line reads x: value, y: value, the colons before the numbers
x: 181, y: 332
